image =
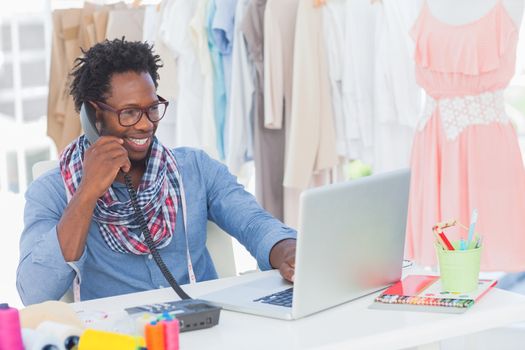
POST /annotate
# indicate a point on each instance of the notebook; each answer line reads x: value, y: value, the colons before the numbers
x: 424, y: 293
x: 350, y: 243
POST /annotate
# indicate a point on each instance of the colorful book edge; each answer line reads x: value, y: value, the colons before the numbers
x: 424, y: 293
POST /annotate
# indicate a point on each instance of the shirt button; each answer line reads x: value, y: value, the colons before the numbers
x: 150, y: 256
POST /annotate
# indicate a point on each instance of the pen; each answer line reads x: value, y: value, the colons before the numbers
x: 473, y: 220
x: 478, y: 243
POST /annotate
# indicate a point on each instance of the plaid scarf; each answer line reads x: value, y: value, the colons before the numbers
x: 158, y: 195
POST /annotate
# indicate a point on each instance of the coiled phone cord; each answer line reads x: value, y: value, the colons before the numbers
x: 139, y: 215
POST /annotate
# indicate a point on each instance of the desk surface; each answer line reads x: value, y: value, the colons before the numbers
x: 351, y: 325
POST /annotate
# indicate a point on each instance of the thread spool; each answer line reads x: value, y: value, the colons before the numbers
x: 155, y: 336
x: 38, y: 340
x: 10, y: 332
x: 93, y: 339
x: 64, y: 333
x: 171, y: 334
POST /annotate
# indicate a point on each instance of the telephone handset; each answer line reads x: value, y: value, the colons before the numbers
x: 87, y: 119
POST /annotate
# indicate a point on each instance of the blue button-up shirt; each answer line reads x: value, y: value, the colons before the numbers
x: 212, y: 193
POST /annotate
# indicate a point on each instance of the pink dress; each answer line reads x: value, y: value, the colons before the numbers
x: 465, y: 153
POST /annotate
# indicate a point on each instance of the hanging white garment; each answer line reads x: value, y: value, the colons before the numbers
x: 358, y: 70
x: 397, y: 97
x: 395, y: 48
x: 199, y: 38
x: 126, y: 23
x: 151, y: 23
x: 174, y: 30
x: 166, y: 130
x: 334, y: 13
x: 239, y: 143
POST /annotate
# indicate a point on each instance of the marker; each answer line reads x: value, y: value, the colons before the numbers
x: 473, y: 221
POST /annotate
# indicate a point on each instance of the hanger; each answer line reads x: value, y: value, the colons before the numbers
x: 319, y: 3
x: 136, y: 3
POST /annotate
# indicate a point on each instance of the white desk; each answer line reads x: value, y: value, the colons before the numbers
x: 349, y: 326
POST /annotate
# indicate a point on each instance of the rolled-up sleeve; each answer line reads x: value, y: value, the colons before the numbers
x: 237, y: 212
x: 42, y: 272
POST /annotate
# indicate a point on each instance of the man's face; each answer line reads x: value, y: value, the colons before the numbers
x: 129, y: 90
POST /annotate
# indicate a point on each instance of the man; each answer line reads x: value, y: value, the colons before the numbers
x: 79, y: 221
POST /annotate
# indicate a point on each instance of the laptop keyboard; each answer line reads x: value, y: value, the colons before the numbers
x: 282, y: 298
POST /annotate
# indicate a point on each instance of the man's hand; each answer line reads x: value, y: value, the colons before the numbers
x: 102, y: 162
x: 282, y: 257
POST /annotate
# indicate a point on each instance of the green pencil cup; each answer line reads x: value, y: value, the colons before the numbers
x: 459, y: 269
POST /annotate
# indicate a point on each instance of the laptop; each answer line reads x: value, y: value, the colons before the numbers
x: 350, y: 243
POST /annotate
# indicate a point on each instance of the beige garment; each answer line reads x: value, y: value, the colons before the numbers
x: 311, y: 145
x: 279, y: 36
x: 100, y: 21
x: 73, y: 29
x: 93, y: 23
x: 56, y: 74
x: 87, y: 36
x: 62, y: 121
x: 125, y: 23
x: 292, y: 197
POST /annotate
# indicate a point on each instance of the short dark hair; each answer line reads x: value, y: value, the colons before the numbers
x: 93, y: 71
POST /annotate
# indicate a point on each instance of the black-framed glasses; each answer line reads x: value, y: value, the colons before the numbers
x: 130, y: 116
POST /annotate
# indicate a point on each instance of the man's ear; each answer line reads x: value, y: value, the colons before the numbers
x: 98, y: 111
x: 98, y: 116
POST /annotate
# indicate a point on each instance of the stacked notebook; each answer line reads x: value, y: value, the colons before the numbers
x: 424, y: 293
